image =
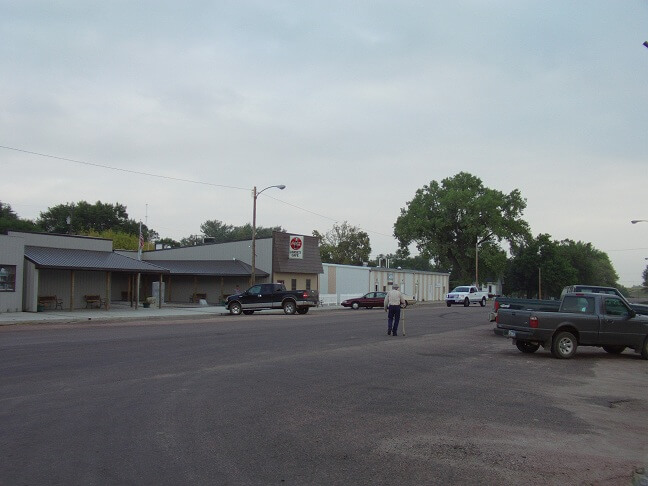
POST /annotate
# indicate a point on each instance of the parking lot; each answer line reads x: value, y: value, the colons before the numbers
x: 324, y: 398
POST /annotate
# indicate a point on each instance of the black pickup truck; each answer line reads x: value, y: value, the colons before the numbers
x: 550, y: 305
x: 584, y: 319
x: 272, y: 296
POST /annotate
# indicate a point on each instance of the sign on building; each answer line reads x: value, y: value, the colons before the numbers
x: 296, y: 249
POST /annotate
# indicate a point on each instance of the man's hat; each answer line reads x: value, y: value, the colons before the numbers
x: 395, y: 286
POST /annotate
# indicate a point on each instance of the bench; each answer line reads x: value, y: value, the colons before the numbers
x: 196, y: 296
x: 91, y: 300
x: 49, y: 301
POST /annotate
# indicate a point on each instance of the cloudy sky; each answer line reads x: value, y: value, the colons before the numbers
x: 353, y: 105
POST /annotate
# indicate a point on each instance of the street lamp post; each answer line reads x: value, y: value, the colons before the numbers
x: 255, y: 194
x: 635, y: 221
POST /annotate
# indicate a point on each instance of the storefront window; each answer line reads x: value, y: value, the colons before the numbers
x: 7, y: 278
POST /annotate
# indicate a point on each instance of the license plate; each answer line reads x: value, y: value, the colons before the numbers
x: 511, y: 334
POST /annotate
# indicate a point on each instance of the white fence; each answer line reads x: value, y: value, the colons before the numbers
x: 335, y: 299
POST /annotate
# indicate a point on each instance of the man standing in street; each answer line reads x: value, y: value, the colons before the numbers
x: 393, y: 301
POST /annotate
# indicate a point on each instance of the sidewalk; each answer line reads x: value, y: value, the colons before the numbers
x: 123, y: 311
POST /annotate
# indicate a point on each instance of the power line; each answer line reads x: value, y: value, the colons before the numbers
x: 179, y: 179
x: 124, y: 170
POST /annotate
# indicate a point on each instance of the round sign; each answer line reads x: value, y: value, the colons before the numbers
x: 296, y: 243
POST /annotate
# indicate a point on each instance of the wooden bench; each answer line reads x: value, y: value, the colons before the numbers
x: 49, y: 301
x: 91, y: 300
x: 196, y: 296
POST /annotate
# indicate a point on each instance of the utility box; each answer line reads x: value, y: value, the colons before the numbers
x: 155, y: 288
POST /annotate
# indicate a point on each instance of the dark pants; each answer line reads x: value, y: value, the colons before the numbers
x: 393, y: 317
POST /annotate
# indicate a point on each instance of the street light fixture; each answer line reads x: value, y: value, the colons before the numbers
x: 255, y: 194
x: 635, y: 221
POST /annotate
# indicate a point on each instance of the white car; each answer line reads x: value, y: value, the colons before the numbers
x: 466, y: 295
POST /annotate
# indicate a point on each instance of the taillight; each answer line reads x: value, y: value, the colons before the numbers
x: 496, y: 305
x: 305, y: 295
x: 533, y: 322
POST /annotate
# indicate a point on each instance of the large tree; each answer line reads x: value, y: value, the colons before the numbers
x: 542, y: 267
x: 344, y: 244
x: 9, y: 220
x: 222, y: 233
x: 83, y: 217
x: 538, y: 266
x: 593, y: 266
x: 450, y: 221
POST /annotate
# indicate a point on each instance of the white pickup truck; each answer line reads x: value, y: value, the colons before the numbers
x: 466, y: 295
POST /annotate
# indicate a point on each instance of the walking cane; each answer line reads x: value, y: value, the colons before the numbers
x: 404, y: 320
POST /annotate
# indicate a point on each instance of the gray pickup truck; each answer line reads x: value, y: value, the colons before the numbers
x: 272, y: 296
x: 584, y: 319
x: 554, y: 304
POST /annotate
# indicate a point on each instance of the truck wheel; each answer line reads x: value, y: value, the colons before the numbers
x: 235, y: 308
x: 302, y: 310
x: 355, y: 306
x: 448, y: 303
x: 289, y: 307
x: 527, y: 347
x: 564, y: 345
x: 644, y: 349
x: 467, y: 302
x: 614, y: 349
x: 483, y: 302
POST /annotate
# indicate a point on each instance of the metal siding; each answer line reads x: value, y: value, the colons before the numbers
x: 65, y: 241
x: 237, y: 250
x: 12, y: 254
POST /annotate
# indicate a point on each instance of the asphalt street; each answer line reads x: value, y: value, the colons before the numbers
x: 323, y: 398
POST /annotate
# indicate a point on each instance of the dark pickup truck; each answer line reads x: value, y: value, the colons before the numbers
x: 584, y: 319
x: 549, y: 305
x: 272, y: 296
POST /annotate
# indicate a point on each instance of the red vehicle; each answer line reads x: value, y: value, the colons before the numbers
x: 372, y: 299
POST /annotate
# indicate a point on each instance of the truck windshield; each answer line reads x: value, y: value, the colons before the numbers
x: 461, y: 289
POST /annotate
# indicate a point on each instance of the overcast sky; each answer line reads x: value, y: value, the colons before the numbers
x: 353, y: 105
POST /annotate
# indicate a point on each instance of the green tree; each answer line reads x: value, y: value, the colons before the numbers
x: 121, y: 240
x: 83, y: 217
x: 9, y: 220
x: 344, y: 244
x: 222, y: 233
x: 402, y: 259
x: 538, y: 262
x: 645, y: 277
x: 448, y: 221
x: 168, y: 243
x: 593, y: 267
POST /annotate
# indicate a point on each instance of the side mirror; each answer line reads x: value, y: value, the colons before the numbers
x: 632, y: 313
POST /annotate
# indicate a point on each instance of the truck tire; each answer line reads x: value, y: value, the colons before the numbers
x: 614, y: 349
x: 527, y: 347
x: 448, y: 303
x: 302, y: 310
x: 644, y: 349
x: 564, y: 345
x: 235, y: 309
x: 355, y: 305
x: 466, y: 302
x: 289, y: 307
x: 483, y: 302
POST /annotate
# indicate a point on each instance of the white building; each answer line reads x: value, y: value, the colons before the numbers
x: 339, y: 282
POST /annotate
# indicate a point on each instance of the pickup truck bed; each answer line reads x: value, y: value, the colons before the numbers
x: 584, y: 319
